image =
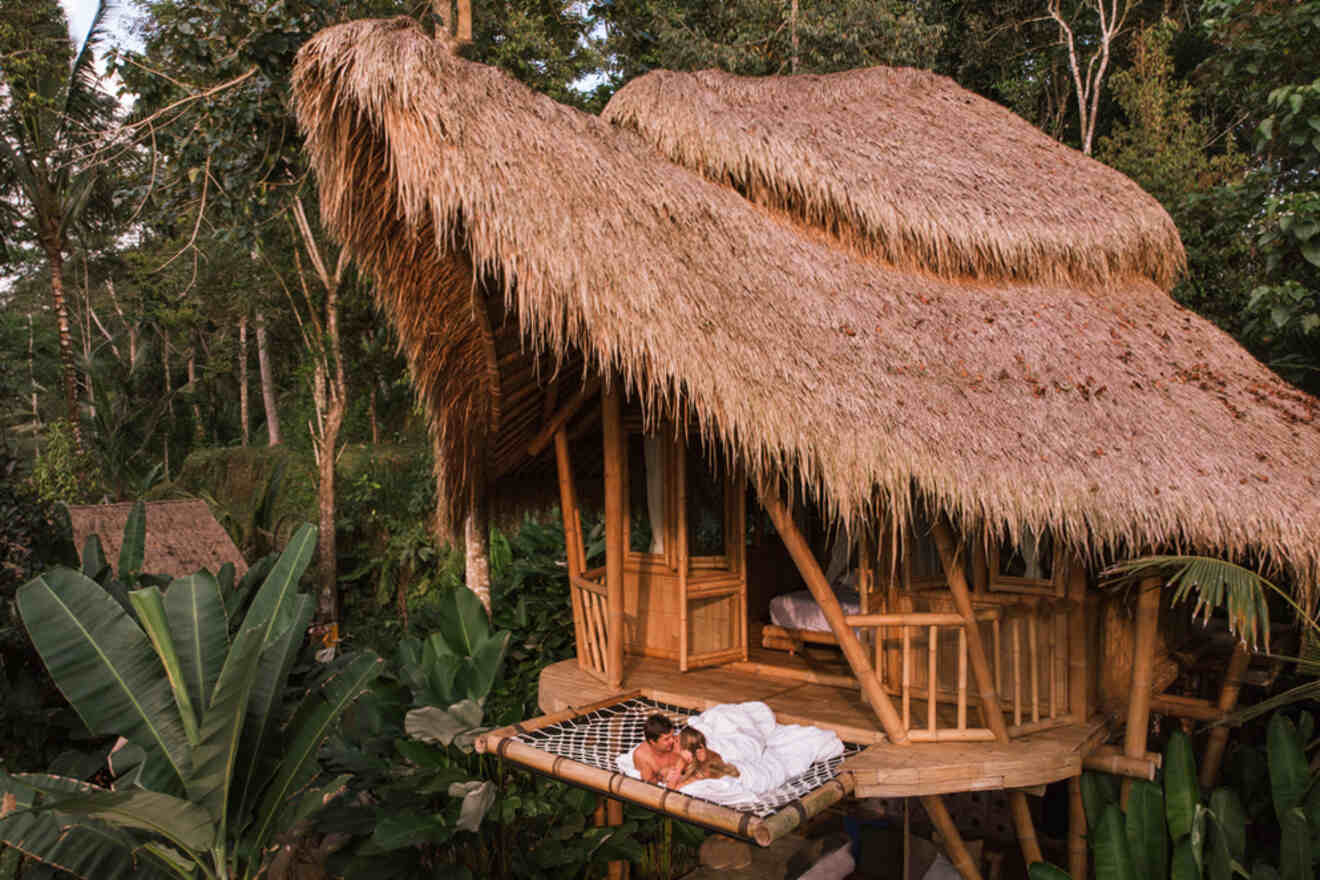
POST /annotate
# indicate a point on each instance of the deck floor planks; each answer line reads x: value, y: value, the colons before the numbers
x: 882, y: 770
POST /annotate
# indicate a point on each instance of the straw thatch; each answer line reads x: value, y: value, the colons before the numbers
x: 182, y: 536
x: 909, y: 166
x: 1106, y: 412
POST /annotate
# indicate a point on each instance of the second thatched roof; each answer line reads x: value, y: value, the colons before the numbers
x: 1102, y: 410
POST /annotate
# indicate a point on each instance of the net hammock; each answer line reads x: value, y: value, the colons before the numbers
x: 598, y: 737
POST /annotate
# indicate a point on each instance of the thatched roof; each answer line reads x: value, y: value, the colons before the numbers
x: 1104, y: 411
x: 182, y: 536
x: 909, y: 166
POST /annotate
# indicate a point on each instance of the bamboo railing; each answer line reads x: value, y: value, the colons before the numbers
x: 922, y: 656
x: 590, y: 599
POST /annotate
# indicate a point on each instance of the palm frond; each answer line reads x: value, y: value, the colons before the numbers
x: 1308, y: 691
x: 83, y: 96
x: 1211, y: 584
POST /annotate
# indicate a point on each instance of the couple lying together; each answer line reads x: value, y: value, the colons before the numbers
x: 674, y: 760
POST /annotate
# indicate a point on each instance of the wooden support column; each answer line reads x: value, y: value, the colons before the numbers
x: 993, y: 718
x: 1076, y: 830
x: 853, y: 651
x: 609, y: 814
x: 612, y: 417
x: 1143, y: 670
x: 954, y: 847
x: 1079, y: 674
x: 1228, y: 697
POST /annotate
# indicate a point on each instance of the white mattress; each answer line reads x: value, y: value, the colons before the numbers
x: 799, y: 610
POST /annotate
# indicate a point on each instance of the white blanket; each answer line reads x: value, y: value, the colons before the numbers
x: 766, y: 754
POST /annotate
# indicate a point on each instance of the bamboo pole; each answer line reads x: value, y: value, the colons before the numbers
x: 853, y: 651
x: 489, y: 741
x: 1143, y: 667
x: 684, y: 560
x: 971, y: 734
x: 1033, y: 655
x: 615, y: 507
x: 1076, y: 830
x: 1016, y: 624
x: 618, y: 869
x: 740, y: 524
x: 962, y: 680
x: 1025, y: 828
x: 1110, y: 759
x: 559, y: 421
x: 573, y: 549
x: 1079, y: 692
x: 953, y: 842
x: 932, y: 677
x: 907, y: 678
x: 1194, y: 708
x: 1228, y: 697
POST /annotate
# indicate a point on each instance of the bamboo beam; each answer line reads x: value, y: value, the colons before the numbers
x: 1111, y: 759
x: 932, y: 677
x: 1076, y: 830
x: 1194, y: 708
x: 615, y: 506
x: 955, y: 849
x: 560, y: 419
x: 618, y: 869
x: 853, y: 651
x: 574, y: 553
x: 1143, y: 670
x: 1079, y: 692
x: 962, y: 679
x: 1228, y: 697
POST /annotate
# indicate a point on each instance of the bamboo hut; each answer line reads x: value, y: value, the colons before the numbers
x: 751, y: 318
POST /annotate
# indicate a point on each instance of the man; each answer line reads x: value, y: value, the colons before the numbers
x: 657, y: 758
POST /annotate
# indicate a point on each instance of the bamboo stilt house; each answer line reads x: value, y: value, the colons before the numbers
x: 751, y: 319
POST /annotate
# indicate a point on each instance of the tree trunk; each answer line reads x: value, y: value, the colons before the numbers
x: 199, y: 432
x: 371, y: 413
x: 476, y: 544
x: 243, y: 377
x: 267, y: 383
x: 169, y: 397
x: 327, y: 599
x: 32, y: 382
x: 67, y: 364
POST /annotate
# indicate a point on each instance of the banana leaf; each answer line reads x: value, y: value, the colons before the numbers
x: 1182, y: 792
x: 107, y: 669
x: 1113, y: 858
x: 1148, y: 841
x: 133, y: 547
x: 194, y: 607
x: 150, y: 607
x: 1289, y: 773
x: 1295, y: 850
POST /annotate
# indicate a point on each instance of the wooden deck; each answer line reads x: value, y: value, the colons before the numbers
x: 797, y: 690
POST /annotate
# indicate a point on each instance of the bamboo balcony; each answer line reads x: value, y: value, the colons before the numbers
x: 805, y: 690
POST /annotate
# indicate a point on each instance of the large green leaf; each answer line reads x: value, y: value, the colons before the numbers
x: 1182, y: 792
x: 258, y: 748
x: 1113, y: 858
x: 272, y: 608
x: 1231, y: 820
x: 181, y: 822
x: 467, y: 627
x: 94, y: 563
x: 311, y: 723
x: 133, y: 548
x: 195, y: 610
x: 88, y: 849
x: 1046, y: 871
x: 1148, y: 841
x: 216, y: 755
x: 1295, y: 848
x: 236, y: 599
x: 1098, y: 792
x: 1289, y: 773
x: 485, y: 664
x: 1185, y: 865
x: 150, y: 607
x: 107, y: 669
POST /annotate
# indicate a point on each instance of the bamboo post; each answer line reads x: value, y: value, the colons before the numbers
x: 612, y: 417
x: 953, y: 842
x: 907, y: 678
x: 740, y: 529
x: 1228, y: 697
x: 1079, y: 691
x: 853, y: 651
x: 1076, y: 830
x: 1059, y: 657
x: 1143, y: 668
x: 1017, y: 669
x: 962, y: 680
x: 618, y: 869
x: 932, y: 677
x: 573, y: 548
x: 684, y: 561
x: 1025, y: 828
x: 1033, y: 655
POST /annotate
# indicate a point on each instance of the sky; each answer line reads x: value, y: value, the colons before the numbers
x: 80, y: 18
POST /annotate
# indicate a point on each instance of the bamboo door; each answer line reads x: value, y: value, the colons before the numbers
x: 712, y: 587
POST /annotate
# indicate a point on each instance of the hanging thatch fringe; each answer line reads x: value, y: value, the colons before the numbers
x: 1105, y: 412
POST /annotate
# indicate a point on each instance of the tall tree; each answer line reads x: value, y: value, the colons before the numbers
x: 55, y: 119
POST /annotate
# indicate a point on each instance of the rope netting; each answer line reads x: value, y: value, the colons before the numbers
x: 597, y: 738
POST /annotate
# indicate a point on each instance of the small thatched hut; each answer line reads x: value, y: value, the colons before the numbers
x: 948, y: 337
x: 182, y: 536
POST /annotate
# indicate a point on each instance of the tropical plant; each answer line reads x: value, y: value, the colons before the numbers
x: 55, y: 120
x: 211, y: 772
x: 1171, y: 829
